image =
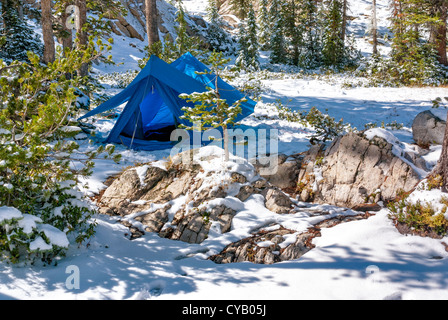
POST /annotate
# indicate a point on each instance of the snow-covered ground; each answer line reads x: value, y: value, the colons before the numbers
x: 366, y: 259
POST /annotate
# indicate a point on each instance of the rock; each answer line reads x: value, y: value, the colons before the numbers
x: 127, y: 28
x: 154, y: 221
x: 277, y: 201
x: 245, y: 192
x: 135, y: 12
x: 267, y: 247
x: 285, y: 174
x: 149, y: 192
x: 354, y: 170
x: 428, y: 129
x: 367, y: 207
x: 122, y: 29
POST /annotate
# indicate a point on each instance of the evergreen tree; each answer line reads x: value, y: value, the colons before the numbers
x: 217, y: 38
x: 47, y: 31
x: 152, y: 28
x: 18, y: 36
x: 264, y: 26
x: 241, y: 59
x: 311, y: 53
x: 292, y: 30
x: 210, y: 109
x: 248, y: 56
x: 333, y: 44
x: 184, y: 43
x: 374, y: 29
x: 241, y: 8
x: 438, y: 37
x: 36, y: 175
x: 170, y: 51
x: 253, y: 59
x: 97, y: 23
x: 277, y: 45
x: 415, y: 57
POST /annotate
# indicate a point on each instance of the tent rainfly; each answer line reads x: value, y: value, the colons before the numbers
x: 153, y: 107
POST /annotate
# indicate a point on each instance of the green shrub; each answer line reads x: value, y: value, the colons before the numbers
x: 326, y: 127
x: 420, y: 216
x: 37, y: 103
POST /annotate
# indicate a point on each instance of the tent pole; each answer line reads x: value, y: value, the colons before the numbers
x: 135, y: 128
x: 138, y: 116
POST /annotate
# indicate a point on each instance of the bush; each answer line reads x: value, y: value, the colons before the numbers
x: 410, y: 72
x: 420, y: 217
x: 326, y: 127
x: 36, y: 147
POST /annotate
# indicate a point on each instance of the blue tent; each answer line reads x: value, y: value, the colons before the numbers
x: 153, y: 107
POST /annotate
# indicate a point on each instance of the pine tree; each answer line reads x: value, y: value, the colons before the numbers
x: 415, y: 57
x: 374, y: 29
x: 216, y: 36
x: 47, y: 31
x: 277, y: 44
x: 248, y: 56
x: 292, y: 30
x: 264, y: 26
x: 241, y: 8
x: 97, y: 23
x: 438, y: 36
x: 82, y: 36
x: 18, y: 36
x: 210, y: 109
x: 333, y: 44
x: 36, y: 175
x: 184, y: 43
x: 152, y: 28
x: 311, y: 53
x: 212, y: 12
x: 241, y: 59
x: 253, y: 59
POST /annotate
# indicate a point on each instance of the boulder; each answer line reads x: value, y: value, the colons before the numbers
x: 354, y: 170
x: 176, y: 198
x: 284, y: 174
x: 276, y: 200
x: 428, y: 129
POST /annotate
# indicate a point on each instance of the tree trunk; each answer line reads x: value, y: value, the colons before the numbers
x: 442, y: 165
x: 66, y: 39
x: 344, y: 20
x: 20, y: 9
x: 47, y: 31
x: 152, y: 29
x: 82, y: 34
x: 374, y: 29
x: 439, y: 32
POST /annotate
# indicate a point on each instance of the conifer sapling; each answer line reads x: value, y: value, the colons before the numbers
x: 210, y: 110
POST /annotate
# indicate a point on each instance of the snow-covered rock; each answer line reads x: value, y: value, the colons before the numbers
x: 184, y: 199
x: 357, y: 169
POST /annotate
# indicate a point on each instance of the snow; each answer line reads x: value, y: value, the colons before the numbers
x: 9, y: 213
x: 382, y: 133
x: 39, y: 244
x: 366, y: 259
x: 141, y: 172
x: 29, y: 223
x: 54, y: 235
x: 399, y: 148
